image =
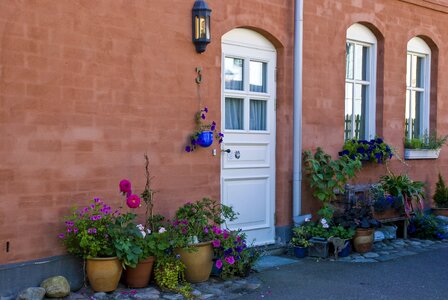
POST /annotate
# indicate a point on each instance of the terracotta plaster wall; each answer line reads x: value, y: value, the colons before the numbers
x: 87, y: 87
x: 395, y: 23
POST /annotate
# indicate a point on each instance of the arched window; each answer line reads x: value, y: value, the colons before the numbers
x: 360, y: 77
x: 418, y: 70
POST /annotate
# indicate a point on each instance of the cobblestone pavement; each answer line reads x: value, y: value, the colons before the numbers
x: 391, y: 249
x: 214, y: 288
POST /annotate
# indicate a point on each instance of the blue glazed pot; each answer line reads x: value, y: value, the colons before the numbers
x: 346, y: 251
x: 205, y: 139
x: 300, y: 252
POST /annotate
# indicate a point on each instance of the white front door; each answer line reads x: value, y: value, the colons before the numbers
x: 248, y: 123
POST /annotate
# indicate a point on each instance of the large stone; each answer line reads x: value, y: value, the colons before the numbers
x: 56, y: 287
x: 32, y: 293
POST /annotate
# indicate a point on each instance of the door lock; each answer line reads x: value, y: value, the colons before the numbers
x: 226, y: 150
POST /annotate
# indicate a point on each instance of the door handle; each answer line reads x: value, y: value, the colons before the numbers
x: 226, y: 150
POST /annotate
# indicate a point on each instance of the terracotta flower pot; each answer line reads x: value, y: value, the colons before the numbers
x: 198, y: 262
x: 104, y: 273
x: 140, y: 276
x: 363, y: 240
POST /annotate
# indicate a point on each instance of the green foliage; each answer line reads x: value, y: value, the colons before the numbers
x: 327, y: 175
x: 192, y: 221
x: 300, y: 237
x: 374, y: 150
x: 441, y: 193
x: 427, y: 227
x: 431, y: 141
x: 403, y: 186
x: 325, y: 230
x: 170, y: 274
x: 87, y: 232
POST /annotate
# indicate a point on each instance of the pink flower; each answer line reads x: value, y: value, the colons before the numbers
x: 218, y: 264
x: 133, y: 201
x: 230, y: 260
x: 216, y: 243
x: 125, y: 187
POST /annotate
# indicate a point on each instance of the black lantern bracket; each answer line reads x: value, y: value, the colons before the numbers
x: 201, y: 25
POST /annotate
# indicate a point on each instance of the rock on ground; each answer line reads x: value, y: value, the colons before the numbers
x: 32, y: 293
x: 56, y: 287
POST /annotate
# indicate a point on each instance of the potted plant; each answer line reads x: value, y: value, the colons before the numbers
x: 375, y: 150
x: 88, y: 235
x: 427, y: 147
x: 191, y: 230
x: 204, y: 133
x: 441, y: 198
x: 359, y: 217
x: 411, y: 192
x: 300, y: 241
x: 385, y: 206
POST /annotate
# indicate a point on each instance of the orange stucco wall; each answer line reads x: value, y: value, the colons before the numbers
x: 394, y: 23
x: 87, y: 87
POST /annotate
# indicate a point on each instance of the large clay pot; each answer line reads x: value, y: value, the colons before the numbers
x: 363, y: 240
x: 139, y: 276
x: 198, y: 261
x: 104, y: 273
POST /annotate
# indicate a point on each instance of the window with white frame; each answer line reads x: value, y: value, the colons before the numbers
x: 417, y: 88
x: 360, y: 77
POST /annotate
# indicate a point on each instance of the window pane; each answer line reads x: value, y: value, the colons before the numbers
x: 350, y: 47
x: 359, y: 110
x: 361, y: 62
x: 233, y: 72
x: 348, y: 111
x: 234, y: 113
x: 408, y: 112
x: 416, y: 113
x: 408, y: 71
x: 419, y: 72
x: 257, y: 75
x: 258, y: 115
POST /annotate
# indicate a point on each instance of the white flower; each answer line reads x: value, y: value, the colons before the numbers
x: 148, y: 231
x: 325, y: 225
x: 143, y: 233
x: 162, y: 230
x: 140, y: 227
x: 323, y: 221
x: 307, y: 220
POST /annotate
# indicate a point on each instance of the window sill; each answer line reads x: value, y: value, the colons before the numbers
x: 421, y: 153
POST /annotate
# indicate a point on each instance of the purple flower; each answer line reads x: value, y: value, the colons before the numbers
x: 203, y: 116
x: 69, y: 223
x: 188, y: 149
x: 230, y: 260
x: 205, y: 230
x: 69, y: 230
x: 238, y: 249
x: 228, y: 251
x: 216, y: 243
x: 92, y: 206
x: 220, y: 141
x: 213, y: 127
x: 97, y: 200
x: 218, y: 264
x: 75, y: 230
x: 61, y: 236
x: 225, y: 234
x: 91, y: 231
x: 206, y: 109
x: 221, y: 134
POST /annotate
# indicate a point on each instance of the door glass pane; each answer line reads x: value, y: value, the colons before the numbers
x: 348, y: 110
x: 233, y: 73
x: 258, y: 115
x: 350, y: 48
x: 257, y: 75
x: 234, y: 114
x: 361, y: 62
x: 419, y: 72
x: 359, y: 110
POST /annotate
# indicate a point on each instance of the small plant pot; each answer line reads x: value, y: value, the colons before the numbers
x: 363, y: 240
x: 205, y: 139
x: 139, y: 276
x: 319, y: 247
x: 104, y: 273
x: 198, y: 262
x: 346, y: 250
x: 300, y: 252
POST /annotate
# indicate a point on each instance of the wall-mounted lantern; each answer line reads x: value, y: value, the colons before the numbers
x: 201, y: 25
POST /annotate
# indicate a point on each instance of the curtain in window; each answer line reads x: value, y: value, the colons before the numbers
x: 257, y: 115
x: 234, y: 113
